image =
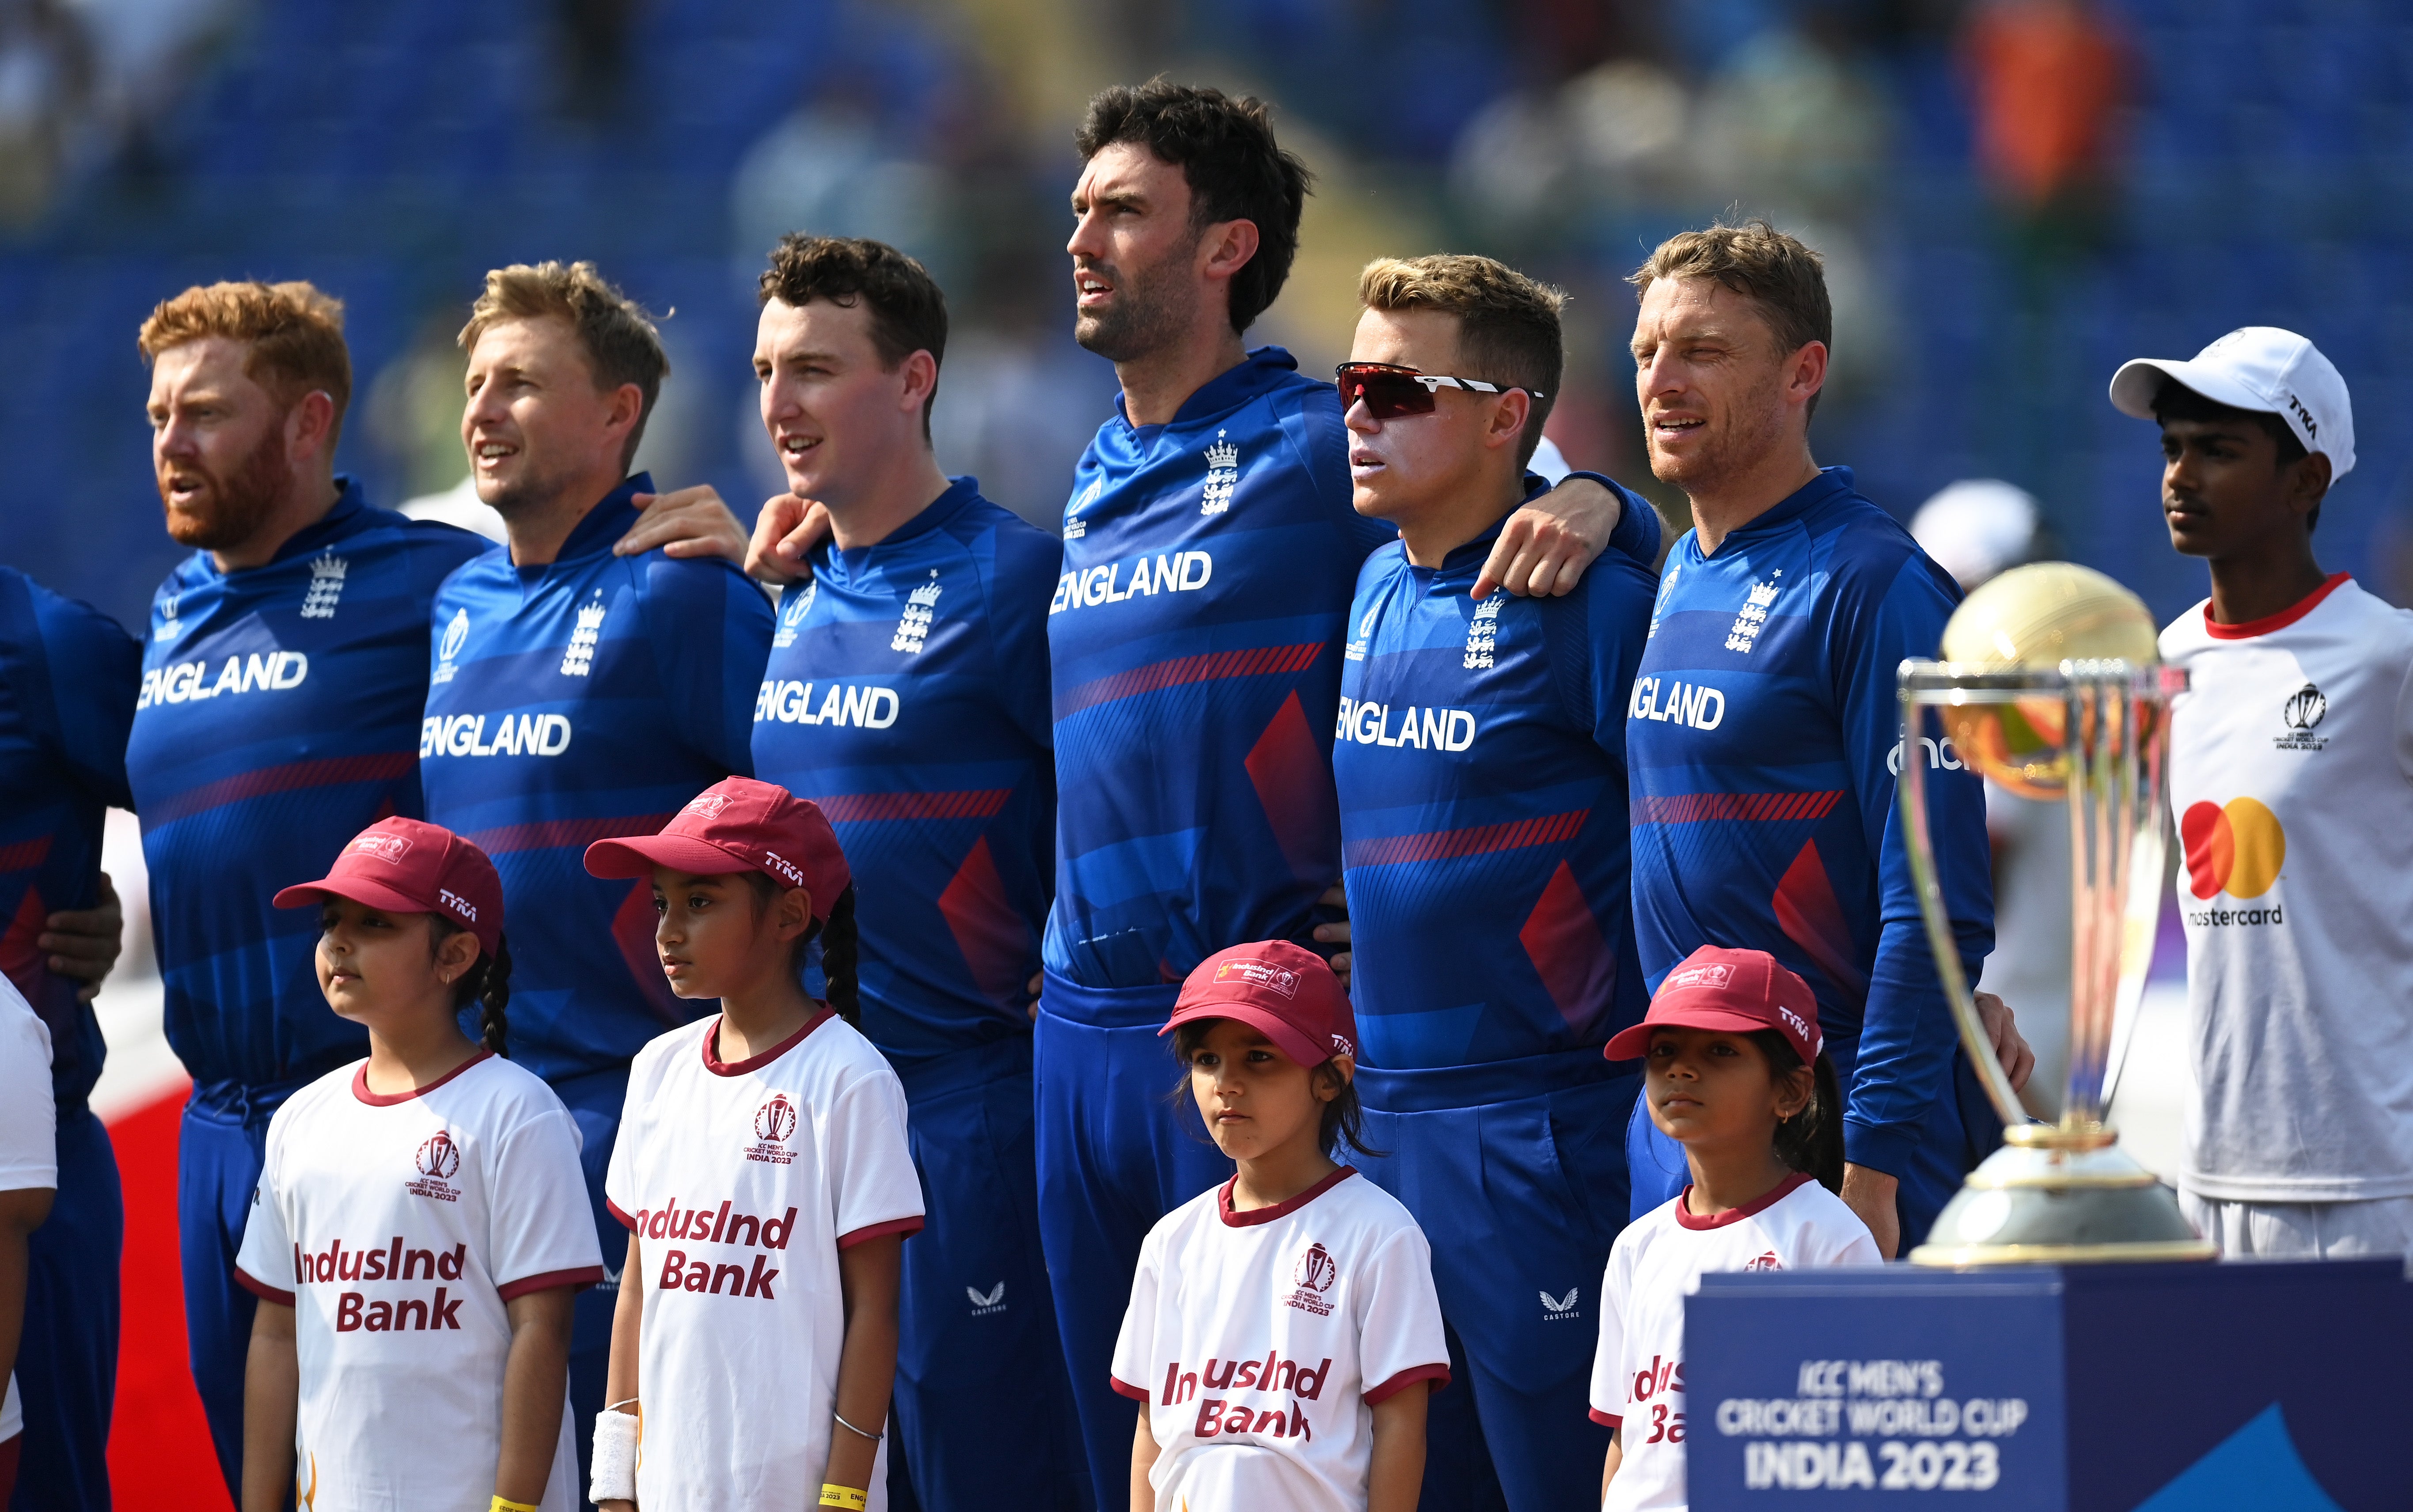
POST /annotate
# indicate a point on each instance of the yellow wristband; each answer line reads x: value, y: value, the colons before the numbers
x: 844, y: 1496
x: 503, y: 1505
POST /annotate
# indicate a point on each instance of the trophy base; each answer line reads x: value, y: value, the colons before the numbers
x: 2057, y: 1196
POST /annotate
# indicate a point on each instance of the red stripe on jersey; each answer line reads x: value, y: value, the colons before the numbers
x: 1606, y: 1419
x: 1702, y: 807
x: 1441, y: 845
x: 260, y: 1289
x: 908, y: 1227
x: 870, y: 808
x: 1253, y: 662
x: 1437, y: 1374
x: 580, y: 1279
x: 26, y: 855
x: 555, y: 834
x: 384, y: 766
x: 1135, y: 1393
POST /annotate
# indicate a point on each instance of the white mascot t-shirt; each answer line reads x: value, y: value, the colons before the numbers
x: 1638, y: 1378
x: 29, y: 1139
x: 397, y: 1227
x: 2291, y: 780
x: 741, y: 1181
x: 1261, y: 1342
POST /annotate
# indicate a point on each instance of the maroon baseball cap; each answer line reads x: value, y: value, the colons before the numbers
x: 737, y: 824
x: 1741, y: 990
x: 1283, y: 992
x: 411, y: 867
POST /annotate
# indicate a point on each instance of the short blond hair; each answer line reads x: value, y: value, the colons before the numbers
x: 622, y: 345
x: 295, y: 333
x: 1509, y: 329
x: 1773, y: 269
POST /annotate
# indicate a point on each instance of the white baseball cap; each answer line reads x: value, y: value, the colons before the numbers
x: 1976, y: 527
x: 2261, y: 368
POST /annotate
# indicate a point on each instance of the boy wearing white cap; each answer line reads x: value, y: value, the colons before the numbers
x: 2291, y: 777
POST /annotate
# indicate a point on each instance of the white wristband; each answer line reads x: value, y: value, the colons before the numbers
x: 616, y: 1458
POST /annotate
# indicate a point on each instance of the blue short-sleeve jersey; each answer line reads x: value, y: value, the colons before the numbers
x: 906, y: 695
x: 1195, y: 636
x: 1764, y: 735
x: 584, y: 699
x: 1480, y: 758
x: 278, y: 717
x: 68, y: 678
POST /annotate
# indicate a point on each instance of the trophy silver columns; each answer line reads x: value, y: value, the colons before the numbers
x: 2055, y: 690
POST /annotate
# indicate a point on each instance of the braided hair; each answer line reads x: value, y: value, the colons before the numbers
x: 488, y: 984
x: 1811, y: 1141
x: 841, y: 947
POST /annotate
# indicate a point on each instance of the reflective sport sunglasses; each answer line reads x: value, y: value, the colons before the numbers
x: 1390, y: 391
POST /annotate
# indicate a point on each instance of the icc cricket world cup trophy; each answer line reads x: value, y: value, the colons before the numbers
x: 2051, y: 686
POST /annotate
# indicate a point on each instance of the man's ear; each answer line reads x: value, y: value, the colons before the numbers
x: 1225, y: 249
x: 1507, y: 420
x: 2307, y: 482
x: 1805, y: 372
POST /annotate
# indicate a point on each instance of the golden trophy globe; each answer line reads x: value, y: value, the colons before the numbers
x: 2053, y: 685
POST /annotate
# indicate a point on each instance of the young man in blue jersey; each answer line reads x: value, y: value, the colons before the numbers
x: 1480, y: 761
x: 276, y: 717
x: 906, y: 695
x: 1195, y: 636
x: 1764, y: 735
x: 69, y: 675
x: 578, y: 694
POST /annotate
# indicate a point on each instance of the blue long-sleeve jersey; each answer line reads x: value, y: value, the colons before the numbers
x: 1480, y: 760
x: 278, y: 717
x: 587, y: 698
x: 68, y: 679
x: 1762, y: 734
x: 1195, y: 636
x: 907, y: 694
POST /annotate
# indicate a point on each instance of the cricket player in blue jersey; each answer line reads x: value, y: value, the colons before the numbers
x: 579, y: 693
x: 906, y: 695
x: 68, y: 677
x: 1209, y: 550
x: 1480, y: 763
x: 277, y: 718
x: 1764, y: 735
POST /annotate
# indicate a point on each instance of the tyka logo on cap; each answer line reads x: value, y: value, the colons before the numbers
x: 1701, y: 976
x: 774, y: 861
x: 1261, y: 973
x: 458, y: 904
x: 389, y: 848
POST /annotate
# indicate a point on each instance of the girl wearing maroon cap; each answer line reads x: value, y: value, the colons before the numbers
x: 420, y: 1226
x: 1736, y: 1071
x: 763, y: 1171
x: 1284, y: 1333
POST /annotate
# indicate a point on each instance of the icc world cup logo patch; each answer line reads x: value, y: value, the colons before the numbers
x: 440, y: 1156
x: 1316, y: 1270
x: 774, y: 1121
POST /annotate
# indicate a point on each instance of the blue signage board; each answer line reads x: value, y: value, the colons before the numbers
x: 2267, y: 1386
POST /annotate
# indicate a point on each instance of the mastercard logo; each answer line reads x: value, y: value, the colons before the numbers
x: 2235, y: 848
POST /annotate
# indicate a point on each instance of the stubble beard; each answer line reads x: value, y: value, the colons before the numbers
x: 529, y: 495
x: 238, y: 504
x: 1143, y: 318
x: 1745, y: 437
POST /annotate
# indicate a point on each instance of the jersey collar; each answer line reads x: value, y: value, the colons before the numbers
x: 1465, y: 560
x: 361, y: 1083
x: 1265, y: 368
x: 606, y: 523
x: 2279, y: 621
x: 1831, y: 484
x: 349, y: 513
x: 1281, y: 1210
x: 958, y: 497
x: 718, y: 1067
x: 1685, y: 1219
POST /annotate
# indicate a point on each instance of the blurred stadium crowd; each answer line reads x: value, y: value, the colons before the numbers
x: 2013, y: 195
